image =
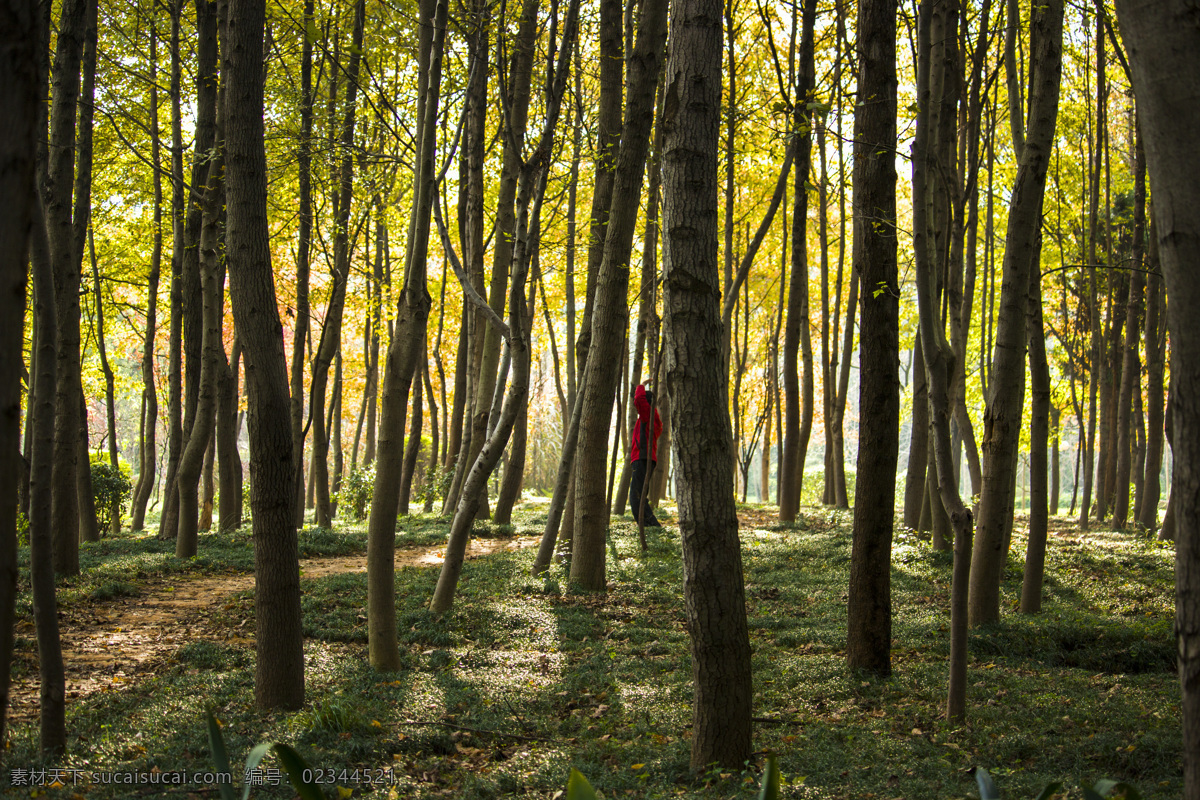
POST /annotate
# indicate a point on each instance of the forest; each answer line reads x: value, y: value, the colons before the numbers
x: 400, y: 284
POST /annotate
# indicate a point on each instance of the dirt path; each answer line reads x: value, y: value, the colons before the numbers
x: 111, y: 644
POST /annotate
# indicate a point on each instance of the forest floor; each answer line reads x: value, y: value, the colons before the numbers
x: 522, y: 679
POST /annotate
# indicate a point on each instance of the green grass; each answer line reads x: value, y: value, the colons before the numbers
x: 523, y: 680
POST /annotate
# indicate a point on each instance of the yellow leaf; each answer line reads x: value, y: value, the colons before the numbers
x: 637, y: 766
x: 344, y: 793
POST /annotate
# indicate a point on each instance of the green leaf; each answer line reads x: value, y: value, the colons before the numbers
x: 253, y: 760
x: 220, y: 756
x: 987, y: 786
x: 578, y: 787
x: 295, y: 766
x: 1049, y: 791
x: 771, y: 780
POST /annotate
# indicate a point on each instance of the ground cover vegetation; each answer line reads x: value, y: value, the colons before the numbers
x: 270, y: 272
x: 522, y: 680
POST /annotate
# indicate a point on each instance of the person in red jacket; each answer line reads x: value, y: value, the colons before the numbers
x: 643, y: 458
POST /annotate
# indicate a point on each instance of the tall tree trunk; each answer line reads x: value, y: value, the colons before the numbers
x: 51, y: 674
x: 191, y: 461
x: 303, y: 249
x: 1002, y: 419
x: 279, y: 669
x: 148, y: 423
x: 168, y: 518
x: 713, y: 589
x: 937, y: 27
x: 609, y: 312
x: 1095, y: 355
x: 66, y: 258
x: 1039, y: 435
x: 19, y: 58
x: 404, y: 353
x: 1164, y: 46
x: 1130, y: 369
x: 798, y: 394
x: 869, y: 622
x: 1154, y: 392
x: 331, y: 330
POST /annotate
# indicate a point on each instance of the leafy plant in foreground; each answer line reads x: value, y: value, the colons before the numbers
x: 293, y: 764
x: 1103, y: 789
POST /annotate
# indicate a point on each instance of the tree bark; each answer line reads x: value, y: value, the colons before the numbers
x: 191, y: 461
x: 19, y: 45
x: 869, y: 622
x: 609, y: 312
x: 1154, y: 393
x: 1130, y: 369
x: 404, y: 353
x: 229, y: 475
x: 279, y: 670
x: 714, y: 596
x: 1163, y: 43
x: 1002, y: 419
x: 798, y: 390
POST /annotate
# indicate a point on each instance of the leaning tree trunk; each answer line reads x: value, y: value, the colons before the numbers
x: 403, y: 355
x: 1002, y: 419
x: 610, y: 311
x: 1164, y: 54
x: 869, y: 610
x: 279, y: 669
x: 714, y: 594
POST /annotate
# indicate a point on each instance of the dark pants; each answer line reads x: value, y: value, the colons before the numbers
x: 636, y: 501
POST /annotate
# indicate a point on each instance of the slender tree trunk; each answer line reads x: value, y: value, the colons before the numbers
x: 331, y: 331
x: 1154, y: 393
x: 869, y: 622
x: 1039, y: 435
x: 52, y: 677
x: 279, y: 670
x: 303, y: 249
x: 19, y: 59
x: 148, y: 423
x: 713, y: 590
x: 404, y: 353
x: 1130, y: 369
x: 1002, y: 419
x: 609, y: 313
x: 191, y: 461
x: 918, y: 442
x: 798, y: 394
x: 230, y: 473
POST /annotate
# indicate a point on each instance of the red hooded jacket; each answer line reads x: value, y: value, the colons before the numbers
x: 642, y: 404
